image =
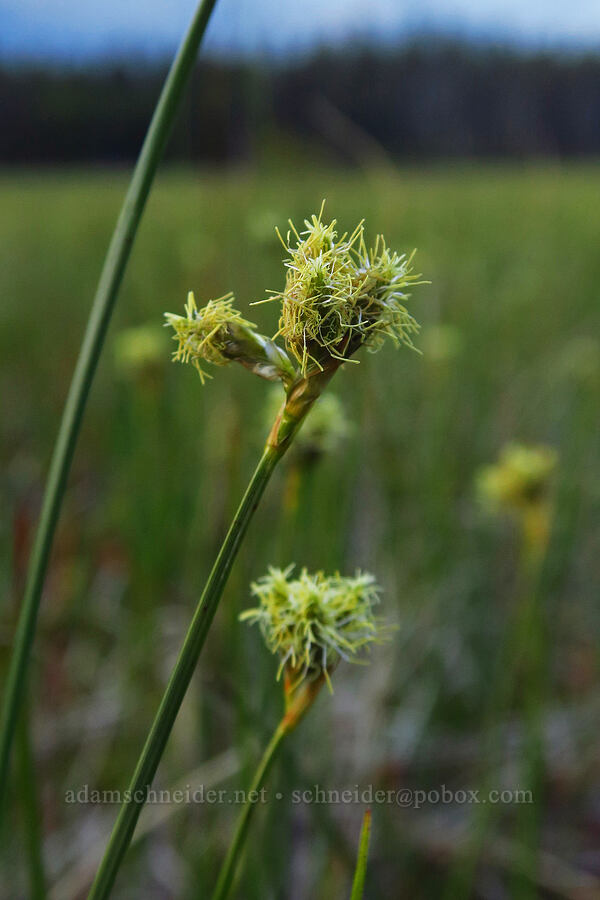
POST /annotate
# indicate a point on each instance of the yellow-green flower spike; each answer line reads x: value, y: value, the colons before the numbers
x: 202, y: 334
x: 520, y: 479
x: 219, y: 334
x: 379, y: 300
x: 340, y: 295
x: 313, y: 621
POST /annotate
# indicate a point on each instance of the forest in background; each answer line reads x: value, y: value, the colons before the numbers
x: 428, y: 100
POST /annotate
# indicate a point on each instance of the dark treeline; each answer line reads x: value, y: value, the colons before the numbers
x: 421, y: 101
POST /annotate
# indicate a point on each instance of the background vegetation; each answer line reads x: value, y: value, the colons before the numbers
x: 510, y: 351
x: 429, y: 99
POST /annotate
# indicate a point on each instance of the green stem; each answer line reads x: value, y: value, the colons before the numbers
x: 26, y: 775
x: 180, y: 679
x: 520, y: 638
x: 230, y: 862
x: 106, y: 293
x: 360, y: 873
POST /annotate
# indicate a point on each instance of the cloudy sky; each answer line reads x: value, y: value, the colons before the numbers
x: 78, y: 29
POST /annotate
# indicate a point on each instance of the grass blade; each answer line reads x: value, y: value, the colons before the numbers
x: 27, y: 786
x: 72, y: 883
x: 358, y: 885
x: 106, y: 293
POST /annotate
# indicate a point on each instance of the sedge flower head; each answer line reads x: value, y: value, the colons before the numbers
x: 520, y: 479
x: 139, y: 349
x: 313, y: 621
x: 204, y: 334
x: 383, y: 276
x: 339, y: 295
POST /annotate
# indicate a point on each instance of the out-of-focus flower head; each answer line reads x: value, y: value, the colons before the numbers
x: 520, y: 479
x: 139, y: 349
x: 313, y: 621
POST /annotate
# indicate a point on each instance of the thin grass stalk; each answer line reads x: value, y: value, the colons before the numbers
x: 360, y: 873
x: 77, y: 879
x: 459, y: 884
x: 230, y: 863
x: 325, y: 823
x: 106, y: 294
x: 27, y: 784
x: 520, y: 640
x: 180, y: 679
x: 528, y: 818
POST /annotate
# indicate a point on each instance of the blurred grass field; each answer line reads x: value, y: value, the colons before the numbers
x: 511, y: 351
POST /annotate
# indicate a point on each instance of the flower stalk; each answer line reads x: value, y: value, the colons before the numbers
x: 520, y: 485
x: 228, y: 869
x: 188, y: 657
x: 311, y: 623
x: 179, y: 681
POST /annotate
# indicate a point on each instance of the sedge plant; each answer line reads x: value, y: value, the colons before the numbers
x: 310, y: 623
x: 519, y: 485
x: 339, y: 296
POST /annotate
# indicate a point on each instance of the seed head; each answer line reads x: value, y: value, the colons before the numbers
x: 520, y: 479
x: 205, y: 334
x: 314, y: 620
x: 339, y: 295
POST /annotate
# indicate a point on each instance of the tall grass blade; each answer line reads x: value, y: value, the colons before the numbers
x: 27, y: 784
x: 358, y: 885
x: 106, y: 293
x: 73, y: 882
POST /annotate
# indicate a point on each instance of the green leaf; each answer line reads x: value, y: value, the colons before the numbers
x: 358, y: 885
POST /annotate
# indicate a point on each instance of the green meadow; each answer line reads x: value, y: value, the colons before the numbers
x: 509, y: 350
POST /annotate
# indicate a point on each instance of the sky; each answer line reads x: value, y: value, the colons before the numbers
x: 82, y: 29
